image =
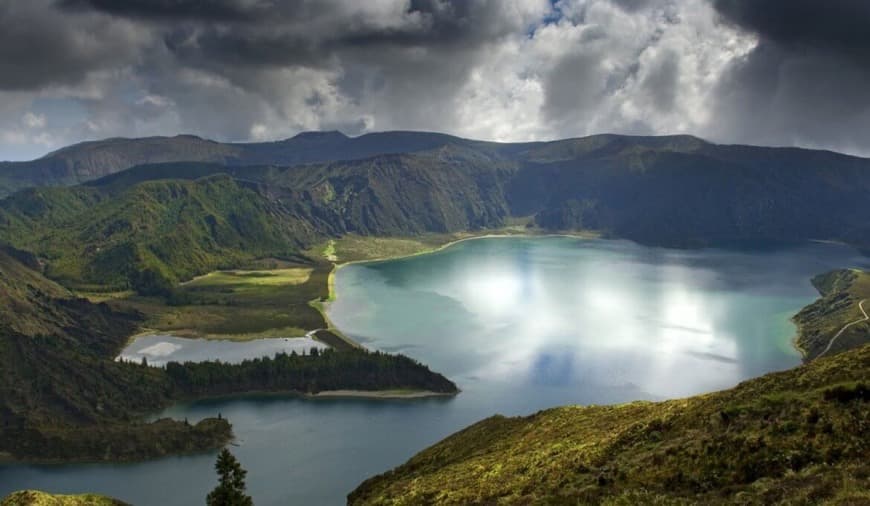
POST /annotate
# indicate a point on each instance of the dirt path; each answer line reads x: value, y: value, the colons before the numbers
x: 846, y: 326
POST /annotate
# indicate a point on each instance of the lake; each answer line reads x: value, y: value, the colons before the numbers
x: 520, y: 324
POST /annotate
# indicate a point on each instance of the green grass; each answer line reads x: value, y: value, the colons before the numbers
x: 329, y: 251
x: 240, y: 280
x: 351, y: 248
x: 37, y: 498
x: 240, y: 305
x: 149, y: 236
x: 819, y: 322
x: 796, y: 437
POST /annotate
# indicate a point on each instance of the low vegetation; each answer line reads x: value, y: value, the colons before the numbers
x: 841, y: 292
x: 151, y: 236
x: 240, y: 305
x: 795, y: 437
x: 37, y: 498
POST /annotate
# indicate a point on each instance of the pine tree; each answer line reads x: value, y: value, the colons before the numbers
x: 231, y: 484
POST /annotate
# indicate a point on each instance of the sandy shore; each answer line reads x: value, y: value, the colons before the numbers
x: 379, y: 394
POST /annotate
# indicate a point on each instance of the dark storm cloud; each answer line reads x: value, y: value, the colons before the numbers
x: 283, y: 30
x: 836, y: 25
x: 632, y: 5
x: 313, y: 33
x: 39, y: 47
x: 808, y: 80
x: 213, y: 10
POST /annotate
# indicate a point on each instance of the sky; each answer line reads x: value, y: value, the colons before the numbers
x: 773, y: 72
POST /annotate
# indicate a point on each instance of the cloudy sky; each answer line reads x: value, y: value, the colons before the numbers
x: 774, y: 72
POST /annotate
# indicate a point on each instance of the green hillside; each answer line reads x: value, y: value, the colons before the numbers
x: 134, y: 231
x: 835, y: 322
x: 795, y: 437
x: 37, y: 498
x: 61, y: 393
x: 151, y: 235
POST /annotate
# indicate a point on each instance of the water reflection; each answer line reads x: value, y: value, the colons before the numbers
x: 159, y: 349
x: 583, y: 314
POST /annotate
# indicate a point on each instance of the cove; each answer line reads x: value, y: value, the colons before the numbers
x: 520, y: 324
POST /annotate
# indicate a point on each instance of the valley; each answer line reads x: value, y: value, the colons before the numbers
x: 434, y: 252
x: 597, y: 265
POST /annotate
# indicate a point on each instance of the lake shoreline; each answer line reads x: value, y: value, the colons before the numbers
x: 489, y: 235
x: 379, y: 394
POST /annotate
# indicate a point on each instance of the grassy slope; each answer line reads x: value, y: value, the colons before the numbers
x: 37, y: 498
x: 62, y: 395
x: 175, y: 229
x: 796, y: 437
x: 220, y: 305
x: 819, y: 322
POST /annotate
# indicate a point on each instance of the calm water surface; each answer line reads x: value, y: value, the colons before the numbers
x: 158, y: 349
x: 520, y: 324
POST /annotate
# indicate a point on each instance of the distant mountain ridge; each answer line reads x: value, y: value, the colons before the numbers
x: 237, y: 202
x: 90, y: 160
x: 85, y: 161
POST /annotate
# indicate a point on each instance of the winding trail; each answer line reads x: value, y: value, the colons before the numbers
x: 846, y: 326
x: 310, y: 333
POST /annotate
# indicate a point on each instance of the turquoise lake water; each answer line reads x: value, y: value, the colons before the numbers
x: 520, y: 324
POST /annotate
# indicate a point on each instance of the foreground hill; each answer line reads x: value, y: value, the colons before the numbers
x: 838, y: 320
x: 37, y: 498
x: 795, y: 437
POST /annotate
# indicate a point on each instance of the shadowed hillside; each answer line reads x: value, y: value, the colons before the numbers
x: 62, y: 395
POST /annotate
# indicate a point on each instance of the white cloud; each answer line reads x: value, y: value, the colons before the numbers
x: 508, y: 70
x: 31, y: 120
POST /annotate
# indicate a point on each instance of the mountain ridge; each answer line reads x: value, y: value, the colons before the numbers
x: 676, y: 191
x: 88, y: 160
